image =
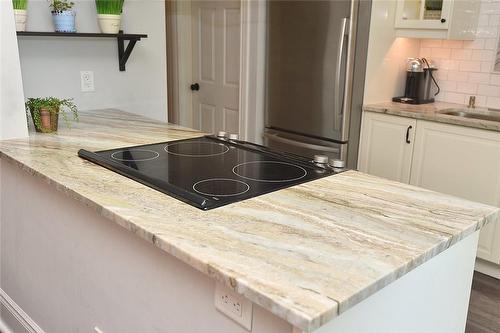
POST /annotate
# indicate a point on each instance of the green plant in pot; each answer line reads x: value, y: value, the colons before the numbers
x: 63, y: 16
x: 109, y: 15
x: 45, y: 112
x: 20, y: 13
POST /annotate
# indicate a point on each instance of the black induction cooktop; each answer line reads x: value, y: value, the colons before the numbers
x: 209, y: 172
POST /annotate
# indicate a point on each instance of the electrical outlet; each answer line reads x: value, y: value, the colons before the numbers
x: 87, y: 81
x: 234, y: 306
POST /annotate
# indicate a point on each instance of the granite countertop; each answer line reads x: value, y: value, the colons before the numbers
x: 432, y: 112
x: 306, y: 253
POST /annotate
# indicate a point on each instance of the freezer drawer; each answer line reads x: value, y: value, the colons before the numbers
x: 303, y: 146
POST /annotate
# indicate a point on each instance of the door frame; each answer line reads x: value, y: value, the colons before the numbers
x: 252, y: 64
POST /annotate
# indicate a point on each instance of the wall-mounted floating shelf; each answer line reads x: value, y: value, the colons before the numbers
x: 123, y: 52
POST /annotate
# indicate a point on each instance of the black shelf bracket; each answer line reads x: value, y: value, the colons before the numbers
x: 123, y: 52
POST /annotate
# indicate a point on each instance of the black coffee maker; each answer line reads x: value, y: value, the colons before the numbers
x: 421, y: 86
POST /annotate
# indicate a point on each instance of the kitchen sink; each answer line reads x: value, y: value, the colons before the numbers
x: 483, y: 114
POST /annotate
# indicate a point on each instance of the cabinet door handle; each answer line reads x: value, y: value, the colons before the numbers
x: 408, y: 134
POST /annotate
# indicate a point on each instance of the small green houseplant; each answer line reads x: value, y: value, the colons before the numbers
x: 63, y: 16
x: 45, y: 112
x: 20, y: 13
x: 109, y: 14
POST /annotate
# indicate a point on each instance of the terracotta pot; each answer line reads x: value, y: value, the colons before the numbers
x: 49, y: 121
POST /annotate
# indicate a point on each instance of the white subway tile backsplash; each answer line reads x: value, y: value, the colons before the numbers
x: 481, y: 100
x: 489, y: 7
x: 474, y: 44
x: 490, y: 44
x: 484, y: 89
x: 484, y: 20
x: 469, y: 66
x: 486, y: 66
x: 486, y: 32
x: 495, y: 80
x: 454, y: 97
x: 465, y: 67
x: 431, y: 43
x: 441, y: 74
x: 467, y: 88
x: 453, y: 44
x: 450, y: 86
x: 447, y: 64
x: 483, y: 78
x: 458, y: 76
x: 493, y: 102
x: 425, y: 52
x: 483, y: 55
x: 461, y: 54
x: 494, y: 20
x: 440, y: 53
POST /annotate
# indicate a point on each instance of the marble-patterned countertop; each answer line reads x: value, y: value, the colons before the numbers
x: 306, y: 253
x: 433, y: 112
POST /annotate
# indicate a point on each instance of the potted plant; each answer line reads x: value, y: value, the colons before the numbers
x: 45, y: 112
x: 109, y: 15
x: 20, y: 13
x: 62, y: 15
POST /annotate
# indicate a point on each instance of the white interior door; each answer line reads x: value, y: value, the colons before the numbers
x: 216, y: 65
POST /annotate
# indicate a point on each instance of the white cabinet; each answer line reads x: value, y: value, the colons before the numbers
x: 464, y: 162
x: 446, y: 158
x: 444, y: 19
x: 384, y: 142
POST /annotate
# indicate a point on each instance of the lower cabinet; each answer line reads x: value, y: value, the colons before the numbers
x: 451, y: 159
x: 386, y: 146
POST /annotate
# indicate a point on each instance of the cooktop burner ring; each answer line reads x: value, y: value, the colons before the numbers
x: 200, y: 183
x: 153, y: 155
x: 302, y: 172
x: 223, y: 149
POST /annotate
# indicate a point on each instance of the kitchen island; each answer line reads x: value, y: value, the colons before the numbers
x: 84, y: 247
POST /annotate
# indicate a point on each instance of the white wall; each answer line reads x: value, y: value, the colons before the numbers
x: 385, y: 69
x: 51, y: 66
x: 465, y: 67
x: 12, y: 116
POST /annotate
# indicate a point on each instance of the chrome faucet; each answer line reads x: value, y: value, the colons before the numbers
x: 472, y: 102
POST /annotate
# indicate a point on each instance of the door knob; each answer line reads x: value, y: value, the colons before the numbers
x: 195, y: 87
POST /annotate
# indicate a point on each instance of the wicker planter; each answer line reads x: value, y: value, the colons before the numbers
x: 49, y: 121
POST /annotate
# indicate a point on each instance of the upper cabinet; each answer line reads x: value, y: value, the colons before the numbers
x: 443, y: 19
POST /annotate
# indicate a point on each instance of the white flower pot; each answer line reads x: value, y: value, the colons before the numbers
x: 109, y: 24
x: 20, y: 15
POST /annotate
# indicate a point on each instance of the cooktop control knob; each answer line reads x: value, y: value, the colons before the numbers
x: 233, y: 136
x: 321, y: 159
x: 221, y: 134
x: 337, y: 164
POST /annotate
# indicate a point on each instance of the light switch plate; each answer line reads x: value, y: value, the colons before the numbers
x: 233, y: 305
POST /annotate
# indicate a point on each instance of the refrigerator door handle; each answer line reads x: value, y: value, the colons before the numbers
x: 277, y: 138
x: 338, y: 112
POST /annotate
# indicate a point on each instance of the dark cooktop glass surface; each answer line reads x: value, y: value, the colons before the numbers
x: 208, y: 172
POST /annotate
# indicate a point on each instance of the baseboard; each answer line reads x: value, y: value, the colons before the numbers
x: 22, y: 317
x: 488, y: 268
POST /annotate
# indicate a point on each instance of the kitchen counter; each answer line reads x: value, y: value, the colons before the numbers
x: 306, y: 253
x: 432, y: 112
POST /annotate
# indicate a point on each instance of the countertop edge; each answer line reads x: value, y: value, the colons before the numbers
x: 295, y: 318
x: 298, y: 318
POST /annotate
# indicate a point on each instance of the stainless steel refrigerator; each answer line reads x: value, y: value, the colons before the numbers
x: 315, y: 66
